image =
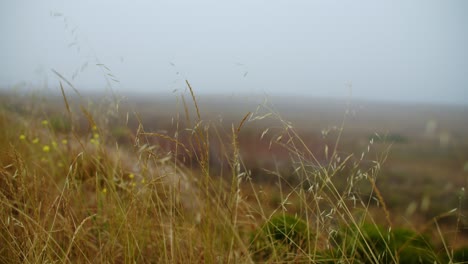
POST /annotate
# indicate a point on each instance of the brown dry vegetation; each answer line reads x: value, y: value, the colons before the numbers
x: 179, y: 179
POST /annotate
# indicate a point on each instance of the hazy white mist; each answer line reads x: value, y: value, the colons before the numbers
x: 392, y: 50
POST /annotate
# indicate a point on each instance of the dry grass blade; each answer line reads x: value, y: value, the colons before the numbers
x: 76, y: 232
x: 186, y: 111
x: 193, y: 98
x: 381, y: 201
x: 67, y: 105
x: 242, y: 122
x: 67, y: 81
x: 167, y: 138
x: 88, y: 116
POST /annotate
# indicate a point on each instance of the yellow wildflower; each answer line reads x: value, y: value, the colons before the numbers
x: 104, y: 190
x: 131, y: 175
x: 94, y: 141
x: 46, y: 148
x: 22, y: 137
x: 64, y: 141
x: 35, y: 141
x: 45, y: 122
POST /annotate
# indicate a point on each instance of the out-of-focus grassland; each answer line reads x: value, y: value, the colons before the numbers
x: 171, y: 178
x: 427, y: 145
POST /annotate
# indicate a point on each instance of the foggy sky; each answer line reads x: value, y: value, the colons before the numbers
x: 392, y: 50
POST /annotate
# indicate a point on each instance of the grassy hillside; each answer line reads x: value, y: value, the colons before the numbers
x: 97, y: 181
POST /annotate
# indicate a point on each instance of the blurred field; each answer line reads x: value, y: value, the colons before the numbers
x: 248, y: 158
x: 427, y: 145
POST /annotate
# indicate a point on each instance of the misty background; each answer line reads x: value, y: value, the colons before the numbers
x: 387, y: 51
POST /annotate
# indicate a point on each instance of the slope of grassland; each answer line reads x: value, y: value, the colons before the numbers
x: 77, y: 186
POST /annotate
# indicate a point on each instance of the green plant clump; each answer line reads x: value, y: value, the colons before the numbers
x: 279, y: 236
x: 460, y: 255
x: 373, y: 244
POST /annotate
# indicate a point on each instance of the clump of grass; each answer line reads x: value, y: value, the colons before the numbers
x: 371, y: 243
x: 279, y: 236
